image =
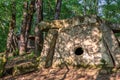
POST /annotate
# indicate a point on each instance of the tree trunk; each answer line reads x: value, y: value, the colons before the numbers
x: 58, y: 8
x: 85, y: 10
x: 50, y: 54
x: 29, y: 20
x: 26, y: 26
x: 96, y: 6
x: 38, y: 33
x: 10, y: 44
x: 23, y: 45
x: 10, y: 40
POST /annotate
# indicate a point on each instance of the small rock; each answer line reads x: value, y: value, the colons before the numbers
x: 52, y: 71
x: 103, y: 71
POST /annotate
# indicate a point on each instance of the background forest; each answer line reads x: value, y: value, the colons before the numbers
x: 107, y: 9
x: 21, y: 23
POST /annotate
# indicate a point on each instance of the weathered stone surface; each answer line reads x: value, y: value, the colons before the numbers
x: 84, y: 43
x: 118, y: 38
x: 87, y: 37
x: 111, y: 43
x: 64, y: 23
x: 50, y: 54
x: 21, y: 64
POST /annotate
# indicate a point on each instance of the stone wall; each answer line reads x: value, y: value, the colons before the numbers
x: 78, y: 45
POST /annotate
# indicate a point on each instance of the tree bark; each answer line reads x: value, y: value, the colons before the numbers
x: 96, y: 6
x: 29, y: 19
x: 26, y: 26
x: 38, y: 33
x: 85, y: 9
x: 23, y: 45
x: 58, y: 9
x: 10, y: 41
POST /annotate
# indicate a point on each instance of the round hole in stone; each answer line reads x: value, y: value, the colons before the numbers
x: 79, y: 51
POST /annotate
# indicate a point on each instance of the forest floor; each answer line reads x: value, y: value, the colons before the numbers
x: 68, y: 74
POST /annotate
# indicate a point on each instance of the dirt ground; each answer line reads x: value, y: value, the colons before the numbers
x: 68, y: 74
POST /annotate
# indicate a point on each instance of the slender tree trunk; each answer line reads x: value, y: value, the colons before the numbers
x: 38, y: 33
x: 22, y: 43
x: 95, y: 6
x: 53, y: 43
x: 10, y: 44
x: 26, y: 26
x: 108, y: 2
x: 29, y: 20
x: 85, y: 7
x: 10, y: 40
x: 58, y: 8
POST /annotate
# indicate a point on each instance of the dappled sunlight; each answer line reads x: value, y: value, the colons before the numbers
x: 59, y: 40
x: 85, y: 35
x: 74, y: 73
x: 89, y: 38
x: 80, y: 53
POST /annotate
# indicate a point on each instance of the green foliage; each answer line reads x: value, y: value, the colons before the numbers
x: 110, y: 11
x: 2, y: 63
x: 117, y: 34
x: 103, y: 62
x: 3, y: 38
x: 48, y: 9
x: 29, y: 56
x: 4, y: 22
x: 16, y: 52
x: 70, y: 9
